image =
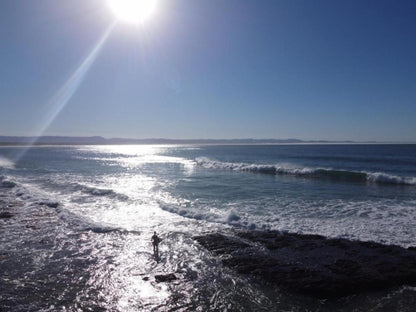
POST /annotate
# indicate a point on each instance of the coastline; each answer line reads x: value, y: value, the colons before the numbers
x: 63, y: 241
x: 307, y: 266
x: 48, y: 140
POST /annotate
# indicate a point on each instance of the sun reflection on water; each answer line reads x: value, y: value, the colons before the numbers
x: 128, y: 150
x: 133, y: 156
x: 127, y: 266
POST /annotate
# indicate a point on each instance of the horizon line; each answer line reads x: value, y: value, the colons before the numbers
x: 101, y: 140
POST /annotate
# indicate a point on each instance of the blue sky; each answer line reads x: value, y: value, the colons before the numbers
x: 337, y: 70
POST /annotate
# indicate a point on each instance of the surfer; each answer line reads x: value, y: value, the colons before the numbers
x: 155, y: 242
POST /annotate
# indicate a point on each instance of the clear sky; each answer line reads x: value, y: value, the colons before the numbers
x: 337, y: 70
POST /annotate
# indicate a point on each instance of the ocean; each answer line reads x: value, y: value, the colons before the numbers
x: 77, y: 221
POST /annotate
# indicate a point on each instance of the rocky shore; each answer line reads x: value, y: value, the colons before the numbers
x: 312, y: 264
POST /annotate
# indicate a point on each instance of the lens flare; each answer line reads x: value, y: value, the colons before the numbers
x: 66, y: 92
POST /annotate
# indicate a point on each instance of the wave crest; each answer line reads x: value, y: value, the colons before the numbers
x: 5, y: 183
x: 307, y: 172
x: 95, y: 191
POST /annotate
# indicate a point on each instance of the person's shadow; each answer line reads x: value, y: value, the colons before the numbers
x: 156, y: 253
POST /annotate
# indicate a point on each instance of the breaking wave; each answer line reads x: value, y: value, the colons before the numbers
x: 307, y: 172
x: 5, y: 183
x: 95, y: 191
x: 6, y: 163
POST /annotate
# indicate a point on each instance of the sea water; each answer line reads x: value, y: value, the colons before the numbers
x: 83, y: 216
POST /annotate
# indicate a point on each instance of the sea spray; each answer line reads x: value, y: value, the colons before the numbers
x: 6, y: 163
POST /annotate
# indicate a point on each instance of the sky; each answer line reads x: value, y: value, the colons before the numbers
x: 331, y: 70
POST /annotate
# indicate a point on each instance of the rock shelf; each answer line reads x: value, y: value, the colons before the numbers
x: 312, y: 264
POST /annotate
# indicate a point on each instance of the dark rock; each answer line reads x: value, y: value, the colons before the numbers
x: 32, y: 227
x: 7, y: 184
x: 165, y: 278
x: 50, y: 204
x: 219, y: 243
x: 6, y: 215
x: 312, y: 264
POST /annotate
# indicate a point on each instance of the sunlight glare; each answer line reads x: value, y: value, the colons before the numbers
x: 133, y: 11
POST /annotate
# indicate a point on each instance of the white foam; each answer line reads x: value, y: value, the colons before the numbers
x: 6, y: 163
x: 384, y: 221
x: 290, y: 169
x: 260, y: 168
x: 380, y: 177
x: 232, y: 216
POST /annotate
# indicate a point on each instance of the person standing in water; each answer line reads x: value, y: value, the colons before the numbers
x: 155, y: 243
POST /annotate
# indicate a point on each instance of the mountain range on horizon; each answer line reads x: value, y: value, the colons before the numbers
x: 99, y: 140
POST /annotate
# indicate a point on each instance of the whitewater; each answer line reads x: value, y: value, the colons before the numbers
x: 77, y: 220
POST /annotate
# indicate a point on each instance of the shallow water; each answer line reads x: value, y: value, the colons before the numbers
x: 79, y: 237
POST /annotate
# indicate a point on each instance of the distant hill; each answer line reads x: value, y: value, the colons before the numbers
x: 98, y: 140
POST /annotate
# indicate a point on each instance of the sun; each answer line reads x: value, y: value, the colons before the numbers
x: 133, y: 11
